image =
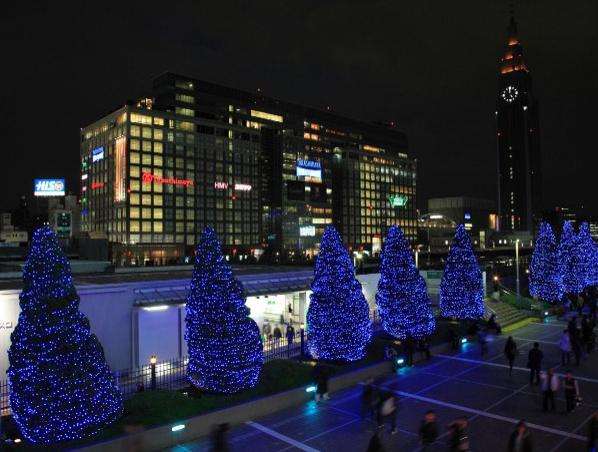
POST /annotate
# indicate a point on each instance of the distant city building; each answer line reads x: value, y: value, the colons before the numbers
x: 268, y: 175
x: 477, y: 215
x: 518, y: 140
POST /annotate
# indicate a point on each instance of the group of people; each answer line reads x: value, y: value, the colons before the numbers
x: 577, y: 340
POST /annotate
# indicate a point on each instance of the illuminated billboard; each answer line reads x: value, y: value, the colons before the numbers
x: 398, y: 200
x: 120, y: 169
x: 307, y: 231
x: 97, y: 154
x: 309, y: 168
x: 48, y: 187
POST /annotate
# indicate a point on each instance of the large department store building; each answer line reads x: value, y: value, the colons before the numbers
x: 268, y: 175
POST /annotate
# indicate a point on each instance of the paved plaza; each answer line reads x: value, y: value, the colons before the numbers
x: 453, y: 385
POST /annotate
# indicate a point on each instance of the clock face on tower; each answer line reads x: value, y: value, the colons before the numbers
x: 509, y: 94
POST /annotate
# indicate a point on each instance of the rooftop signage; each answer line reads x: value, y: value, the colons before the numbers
x: 48, y: 187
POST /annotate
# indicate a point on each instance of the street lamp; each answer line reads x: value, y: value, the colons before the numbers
x: 153, y: 361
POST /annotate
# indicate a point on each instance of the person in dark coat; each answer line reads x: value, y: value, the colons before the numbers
x: 428, y: 431
x: 593, y: 433
x: 454, y: 338
x: 510, y: 353
x: 369, y: 400
x: 290, y: 334
x: 534, y: 363
x: 521, y: 439
x: 219, y: 441
x: 458, y: 436
x: 409, y: 349
x: 320, y: 375
x: 375, y: 444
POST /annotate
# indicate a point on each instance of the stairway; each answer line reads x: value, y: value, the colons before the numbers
x: 505, y: 313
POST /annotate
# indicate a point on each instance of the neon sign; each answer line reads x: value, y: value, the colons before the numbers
x: 219, y: 185
x: 243, y: 187
x: 398, y: 200
x: 97, y: 154
x: 96, y: 185
x: 148, y: 178
x: 48, y: 187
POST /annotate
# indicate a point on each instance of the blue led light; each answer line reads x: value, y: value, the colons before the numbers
x: 403, y: 303
x: 546, y: 270
x: 464, y: 340
x: 311, y: 388
x: 61, y: 388
x: 338, y: 320
x: 401, y: 361
x: 573, y: 268
x: 587, y: 251
x: 461, y: 289
x: 177, y: 428
x: 224, y: 343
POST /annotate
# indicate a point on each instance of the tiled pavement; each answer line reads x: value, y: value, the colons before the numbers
x: 461, y: 384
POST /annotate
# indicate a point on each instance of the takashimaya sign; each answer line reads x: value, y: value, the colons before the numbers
x: 148, y: 178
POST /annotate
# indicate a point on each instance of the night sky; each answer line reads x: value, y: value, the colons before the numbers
x: 429, y: 65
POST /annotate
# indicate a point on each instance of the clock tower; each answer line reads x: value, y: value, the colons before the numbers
x: 518, y: 140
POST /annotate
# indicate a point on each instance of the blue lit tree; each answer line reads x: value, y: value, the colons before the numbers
x: 546, y: 271
x: 61, y: 388
x: 461, y: 288
x: 224, y: 343
x: 573, y: 266
x: 588, y: 256
x: 403, y: 303
x: 338, y: 320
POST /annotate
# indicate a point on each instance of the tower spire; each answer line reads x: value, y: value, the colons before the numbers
x: 512, y: 60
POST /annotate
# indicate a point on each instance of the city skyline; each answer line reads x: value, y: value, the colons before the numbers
x: 391, y: 70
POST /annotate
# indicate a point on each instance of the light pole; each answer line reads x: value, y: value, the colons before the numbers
x: 153, y: 361
x: 517, y: 266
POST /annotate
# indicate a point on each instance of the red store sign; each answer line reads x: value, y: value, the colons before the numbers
x: 148, y: 178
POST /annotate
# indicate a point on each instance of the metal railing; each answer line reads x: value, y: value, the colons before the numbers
x: 172, y: 374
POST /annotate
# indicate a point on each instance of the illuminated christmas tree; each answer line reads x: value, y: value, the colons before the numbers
x: 224, y: 343
x: 573, y: 266
x: 546, y: 272
x: 403, y: 303
x: 588, y: 256
x: 461, y: 288
x: 338, y: 320
x: 61, y: 388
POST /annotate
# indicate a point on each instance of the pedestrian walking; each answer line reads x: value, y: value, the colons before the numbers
x: 458, y: 436
x: 277, y: 333
x: 409, y: 349
x: 483, y: 340
x: 369, y: 400
x: 510, y: 353
x: 576, y: 346
x: 534, y: 364
x: 454, y: 338
x: 219, y: 441
x: 565, y: 347
x: 290, y: 334
x: 521, y: 439
x: 550, y: 385
x: 424, y: 348
x: 387, y: 411
x: 428, y: 431
x: 375, y: 445
x: 593, y: 433
x: 321, y: 378
x: 571, y: 391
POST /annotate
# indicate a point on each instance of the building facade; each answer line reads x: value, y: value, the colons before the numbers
x: 518, y: 140
x: 268, y: 175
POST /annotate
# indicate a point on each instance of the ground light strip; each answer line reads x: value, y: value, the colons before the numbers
x: 281, y: 437
x: 475, y: 361
x: 490, y: 415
